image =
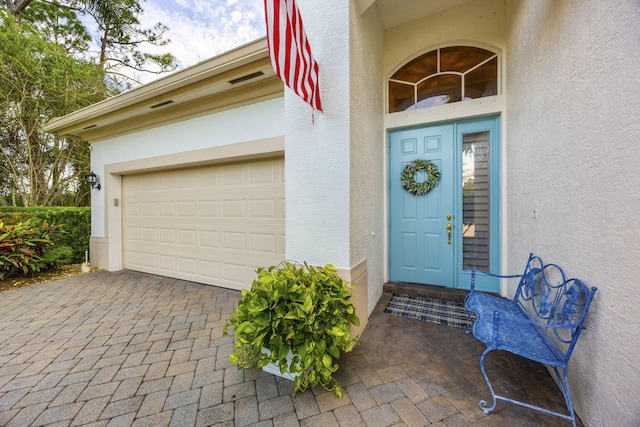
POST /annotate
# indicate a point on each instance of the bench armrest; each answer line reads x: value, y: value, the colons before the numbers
x: 475, y: 271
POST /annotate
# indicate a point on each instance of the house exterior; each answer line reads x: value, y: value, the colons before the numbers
x: 217, y: 169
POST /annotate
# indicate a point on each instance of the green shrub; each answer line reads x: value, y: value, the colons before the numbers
x: 55, y: 256
x: 21, y: 248
x: 299, y: 309
x: 73, y: 228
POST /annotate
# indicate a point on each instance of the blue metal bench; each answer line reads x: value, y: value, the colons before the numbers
x: 542, y: 323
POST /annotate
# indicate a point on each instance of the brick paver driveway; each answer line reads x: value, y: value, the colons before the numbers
x: 126, y: 348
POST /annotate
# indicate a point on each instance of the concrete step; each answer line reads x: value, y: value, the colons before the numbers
x: 430, y: 291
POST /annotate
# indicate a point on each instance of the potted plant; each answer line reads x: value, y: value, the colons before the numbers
x: 298, y: 318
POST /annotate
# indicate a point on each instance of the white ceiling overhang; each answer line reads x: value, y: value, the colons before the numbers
x: 394, y: 13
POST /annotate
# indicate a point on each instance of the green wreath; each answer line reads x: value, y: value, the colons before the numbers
x: 408, y: 176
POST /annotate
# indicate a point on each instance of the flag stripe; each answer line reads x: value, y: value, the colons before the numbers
x: 290, y: 51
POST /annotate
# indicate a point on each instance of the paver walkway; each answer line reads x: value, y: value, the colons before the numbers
x: 126, y: 348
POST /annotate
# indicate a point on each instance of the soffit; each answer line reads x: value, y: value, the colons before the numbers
x: 238, y: 77
x: 394, y: 13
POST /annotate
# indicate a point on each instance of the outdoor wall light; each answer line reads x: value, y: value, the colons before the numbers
x: 92, y: 179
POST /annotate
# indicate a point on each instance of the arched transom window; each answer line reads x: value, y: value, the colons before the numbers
x: 442, y: 76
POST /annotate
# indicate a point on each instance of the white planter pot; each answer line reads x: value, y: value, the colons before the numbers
x: 274, y: 369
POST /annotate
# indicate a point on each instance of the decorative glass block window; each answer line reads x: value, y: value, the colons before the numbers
x: 442, y: 76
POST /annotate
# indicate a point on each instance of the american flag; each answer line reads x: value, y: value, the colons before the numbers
x: 290, y: 51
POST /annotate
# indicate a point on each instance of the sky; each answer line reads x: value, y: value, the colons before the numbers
x: 201, y: 29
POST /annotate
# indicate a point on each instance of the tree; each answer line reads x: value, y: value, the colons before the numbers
x: 58, y: 25
x: 16, y: 8
x: 47, y: 70
x: 40, y: 80
x: 120, y: 39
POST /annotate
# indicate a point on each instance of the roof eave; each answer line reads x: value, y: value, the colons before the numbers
x: 240, y: 59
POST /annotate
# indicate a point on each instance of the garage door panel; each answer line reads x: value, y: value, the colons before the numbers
x: 187, y: 266
x: 263, y: 174
x: 187, y: 179
x: 134, y: 258
x: 213, y: 225
x: 150, y: 235
x: 233, y: 241
x: 149, y: 260
x: 149, y: 209
x: 233, y: 272
x: 134, y: 233
x: 233, y: 208
x: 209, y: 208
x: 209, y: 178
x: 246, y: 249
x: 187, y: 239
x: 263, y: 243
x: 167, y: 209
x: 210, y: 239
x: 167, y: 262
x: 234, y: 175
x: 149, y: 183
x: 166, y: 181
x: 263, y: 208
x: 167, y: 235
x: 187, y: 209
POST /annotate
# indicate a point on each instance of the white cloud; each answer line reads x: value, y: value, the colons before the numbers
x: 201, y: 29
x: 198, y: 29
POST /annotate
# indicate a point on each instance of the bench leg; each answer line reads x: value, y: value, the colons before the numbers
x: 483, y: 403
x: 467, y: 328
x: 566, y: 392
x: 563, y: 380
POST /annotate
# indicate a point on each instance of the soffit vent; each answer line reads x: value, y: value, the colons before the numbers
x: 162, y: 104
x: 247, y: 77
x: 89, y: 127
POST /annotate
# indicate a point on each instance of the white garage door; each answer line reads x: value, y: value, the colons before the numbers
x: 213, y: 224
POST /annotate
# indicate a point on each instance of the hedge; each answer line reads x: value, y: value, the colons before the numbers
x: 73, y: 229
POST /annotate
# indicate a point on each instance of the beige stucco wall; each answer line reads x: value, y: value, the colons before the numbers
x: 333, y: 159
x: 573, y: 152
x: 317, y: 145
x: 367, y: 147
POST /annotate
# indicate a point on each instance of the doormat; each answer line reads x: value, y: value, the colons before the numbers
x: 441, y: 311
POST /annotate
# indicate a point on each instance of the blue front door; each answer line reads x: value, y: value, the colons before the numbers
x: 437, y: 237
x: 420, y: 248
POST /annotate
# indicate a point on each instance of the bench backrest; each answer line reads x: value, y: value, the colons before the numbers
x: 558, y: 303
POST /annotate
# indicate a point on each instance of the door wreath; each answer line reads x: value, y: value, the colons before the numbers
x: 408, y: 176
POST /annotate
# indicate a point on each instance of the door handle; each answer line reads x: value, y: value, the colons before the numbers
x: 449, y: 227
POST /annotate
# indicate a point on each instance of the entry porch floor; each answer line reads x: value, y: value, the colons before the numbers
x: 132, y: 349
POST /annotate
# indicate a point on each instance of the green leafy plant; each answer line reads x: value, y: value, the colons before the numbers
x: 73, y: 228
x: 21, y: 248
x: 298, y: 309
